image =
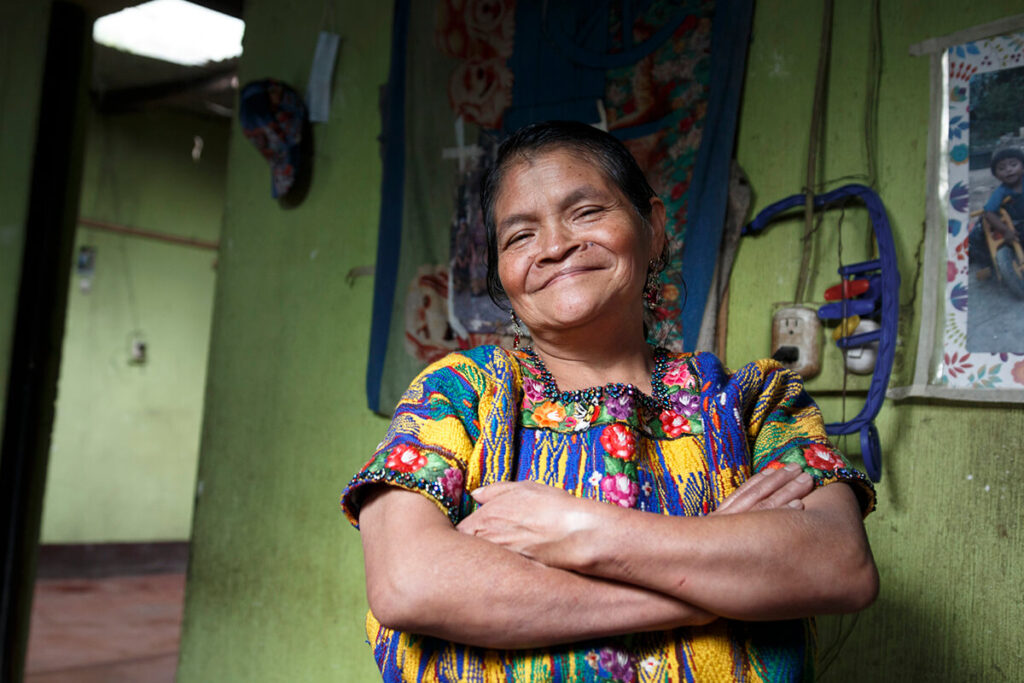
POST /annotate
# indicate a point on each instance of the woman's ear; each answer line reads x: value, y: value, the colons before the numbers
x: 658, y: 220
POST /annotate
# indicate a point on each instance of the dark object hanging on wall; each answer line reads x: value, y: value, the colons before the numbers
x: 85, y: 267
x: 275, y: 120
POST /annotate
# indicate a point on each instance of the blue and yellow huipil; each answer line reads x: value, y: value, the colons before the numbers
x: 488, y: 415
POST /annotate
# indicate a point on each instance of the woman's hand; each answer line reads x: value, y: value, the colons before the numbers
x: 768, y: 490
x: 539, y: 522
x: 532, y: 519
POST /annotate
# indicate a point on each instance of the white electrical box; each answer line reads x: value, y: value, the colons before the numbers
x: 796, y: 339
x: 861, y: 359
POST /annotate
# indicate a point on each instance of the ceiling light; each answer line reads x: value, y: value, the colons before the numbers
x: 172, y: 30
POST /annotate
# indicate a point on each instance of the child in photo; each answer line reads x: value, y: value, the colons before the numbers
x: 1008, y: 167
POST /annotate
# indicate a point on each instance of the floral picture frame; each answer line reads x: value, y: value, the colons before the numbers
x: 971, y: 343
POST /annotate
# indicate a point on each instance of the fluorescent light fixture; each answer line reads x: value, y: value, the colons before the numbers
x: 172, y: 30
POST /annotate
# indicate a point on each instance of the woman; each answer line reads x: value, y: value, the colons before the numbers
x: 506, y: 518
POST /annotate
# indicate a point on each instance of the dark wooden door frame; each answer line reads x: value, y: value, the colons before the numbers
x: 39, y: 321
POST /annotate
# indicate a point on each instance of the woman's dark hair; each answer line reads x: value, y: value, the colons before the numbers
x: 596, y: 146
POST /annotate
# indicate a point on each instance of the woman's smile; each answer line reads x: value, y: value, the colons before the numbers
x: 567, y: 273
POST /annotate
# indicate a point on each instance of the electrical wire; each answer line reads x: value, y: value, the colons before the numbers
x: 870, y: 178
x: 831, y: 653
x: 870, y: 122
x: 817, y: 125
x: 842, y: 323
x: 133, y: 309
x: 871, y: 99
x: 327, y: 17
x: 874, y: 80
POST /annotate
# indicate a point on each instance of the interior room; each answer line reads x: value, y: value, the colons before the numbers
x: 199, y: 401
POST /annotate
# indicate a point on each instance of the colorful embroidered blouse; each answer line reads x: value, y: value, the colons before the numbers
x: 482, y: 416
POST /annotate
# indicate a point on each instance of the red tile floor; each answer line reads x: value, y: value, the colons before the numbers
x: 110, y: 630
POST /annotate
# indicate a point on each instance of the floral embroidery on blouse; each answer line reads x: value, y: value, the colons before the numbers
x: 676, y: 415
x: 485, y: 415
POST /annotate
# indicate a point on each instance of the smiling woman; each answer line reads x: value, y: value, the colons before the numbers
x: 571, y: 249
x: 592, y: 508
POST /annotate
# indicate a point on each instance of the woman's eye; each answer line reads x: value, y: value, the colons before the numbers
x: 589, y: 212
x: 518, y: 237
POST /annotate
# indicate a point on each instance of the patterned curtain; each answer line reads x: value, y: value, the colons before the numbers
x: 663, y: 76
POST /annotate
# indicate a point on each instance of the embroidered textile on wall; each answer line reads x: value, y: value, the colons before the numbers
x: 464, y: 74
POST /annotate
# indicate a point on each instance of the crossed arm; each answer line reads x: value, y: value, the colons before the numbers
x: 512, y: 571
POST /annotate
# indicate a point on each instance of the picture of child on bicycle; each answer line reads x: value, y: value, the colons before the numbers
x: 995, y: 241
x: 1008, y: 167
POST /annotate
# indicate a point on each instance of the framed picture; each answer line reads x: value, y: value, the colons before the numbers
x: 971, y: 345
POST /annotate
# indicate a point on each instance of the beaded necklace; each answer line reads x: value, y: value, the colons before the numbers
x: 593, y: 395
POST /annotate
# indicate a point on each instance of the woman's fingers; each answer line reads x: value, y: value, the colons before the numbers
x: 757, y: 488
x: 772, y: 488
x: 794, y: 491
x: 487, y: 493
x: 532, y: 519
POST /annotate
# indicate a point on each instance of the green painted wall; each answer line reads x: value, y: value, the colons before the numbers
x: 23, y: 27
x: 275, y: 586
x: 947, y: 535
x: 275, y: 590
x: 126, y: 437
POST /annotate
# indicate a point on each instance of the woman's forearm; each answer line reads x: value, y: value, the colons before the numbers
x: 756, y: 565
x: 425, y: 577
x: 750, y: 563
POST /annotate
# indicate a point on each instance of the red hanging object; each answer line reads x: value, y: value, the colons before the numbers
x: 847, y: 289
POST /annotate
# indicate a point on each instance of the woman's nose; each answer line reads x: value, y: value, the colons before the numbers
x: 557, y: 242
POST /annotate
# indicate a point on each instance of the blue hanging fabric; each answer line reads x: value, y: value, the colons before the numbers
x: 663, y: 76
x: 710, y: 188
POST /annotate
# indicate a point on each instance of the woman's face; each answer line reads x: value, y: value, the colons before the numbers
x: 571, y: 248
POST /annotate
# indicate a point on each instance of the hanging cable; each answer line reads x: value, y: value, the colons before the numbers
x: 129, y: 280
x: 871, y: 97
x: 843, y: 323
x: 844, y: 629
x: 870, y: 123
x: 817, y: 121
x: 830, y: 652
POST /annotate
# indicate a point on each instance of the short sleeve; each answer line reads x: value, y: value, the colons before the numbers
x: 784, y: 426
x: 430, y: 439
x: 995, y: 200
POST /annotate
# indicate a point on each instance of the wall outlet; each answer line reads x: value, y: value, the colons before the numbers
x: 796, y: 339
x: 137, y: 351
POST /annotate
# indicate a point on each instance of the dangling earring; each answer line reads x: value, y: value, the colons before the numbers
x: 652, y: 288
x: 516, y: 329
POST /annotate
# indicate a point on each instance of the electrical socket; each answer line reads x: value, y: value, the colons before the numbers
x: 796, y: 335
x: 137, y: 351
